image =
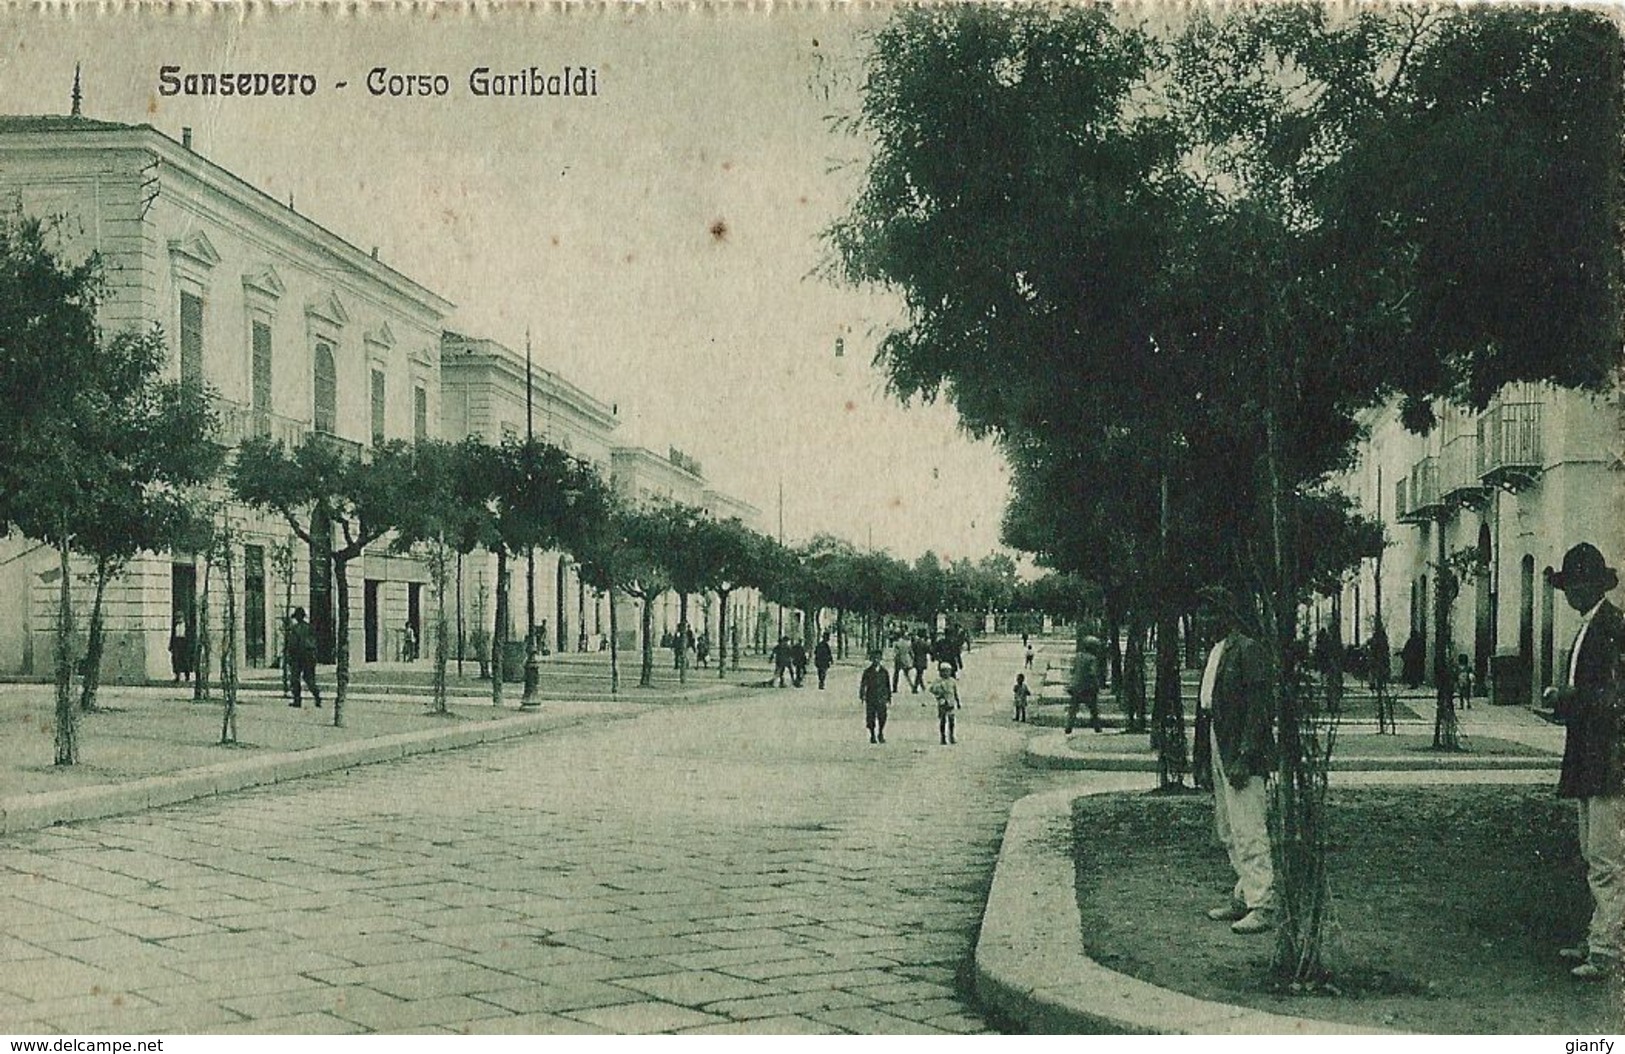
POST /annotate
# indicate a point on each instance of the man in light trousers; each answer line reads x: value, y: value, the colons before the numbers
x: 1590, y: 700
x: 1236, y: 692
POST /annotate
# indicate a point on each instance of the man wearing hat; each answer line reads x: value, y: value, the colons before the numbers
x: 874, y: 689
x: 1588, y: 700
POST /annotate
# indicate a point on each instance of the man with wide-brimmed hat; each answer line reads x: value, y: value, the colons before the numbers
x: 1588, y: 699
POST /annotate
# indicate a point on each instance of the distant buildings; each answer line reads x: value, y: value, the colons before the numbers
x: 1507, y: 492
x: 299, y: 332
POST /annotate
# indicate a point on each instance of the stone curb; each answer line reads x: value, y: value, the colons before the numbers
x: 29, y: 812
x: 1049, y: 751
x: 1030, y: 961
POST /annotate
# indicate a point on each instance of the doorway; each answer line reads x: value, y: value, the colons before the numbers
x: 254, y: 604
x: 369, y: 618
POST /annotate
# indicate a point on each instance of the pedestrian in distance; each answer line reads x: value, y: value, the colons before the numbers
x: 823, y: 659
x: 946, y: 689
x: 874, y: 690
x: 922, y: 658
x: 1083, y: 688
x: 1464, y: 681
x: 1590, y: 701
x: 702, y: 650
x: 1412, y: 658
x: 902, y: 661
x: 1029, y: 655
x: 1020, y: 694
x: 301, y: 650
x: 781, y: 660
x: 798, y: 663
x: 1235, y: 691
x: 409, y: 643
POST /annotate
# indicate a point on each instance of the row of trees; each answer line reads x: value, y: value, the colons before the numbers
x: 103, y: 459
x: 1169, y: 267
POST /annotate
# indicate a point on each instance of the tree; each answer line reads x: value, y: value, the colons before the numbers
x: 641, y: 572
x: 151, y: 441
x: 444, y: 519
x: 322, y: 490
x: 689, y: 562
x: 732, y: 555
x: 1214, y: 251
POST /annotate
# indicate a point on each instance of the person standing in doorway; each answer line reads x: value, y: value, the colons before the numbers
x: 302, y: 659
x: 180, y: 651
x: 1236, y: 692
x: 874, y: 689
x: 946, y: 689
x: 1590, y: 700
x: 823, y: 659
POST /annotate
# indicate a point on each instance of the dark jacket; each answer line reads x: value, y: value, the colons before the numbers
x: 1593, y: 709
x: 301, y: 644
x: 1243, y: 714
x: 875, y: 688
x: 798, y: 655
x: 922, y: 653
x: 823, y: 658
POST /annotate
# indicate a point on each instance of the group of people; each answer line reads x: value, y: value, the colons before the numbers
x: 1589, y: 699
x: 912, y: 654
x: 875, y: 691
x: 684, y: 644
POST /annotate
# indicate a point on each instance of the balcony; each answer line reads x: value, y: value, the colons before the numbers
x: 1459, y: 482
x: 1423, y: 502
x: 1510, y: 454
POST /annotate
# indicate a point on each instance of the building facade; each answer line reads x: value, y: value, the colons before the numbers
x: 1495, y: 499
x: 295, y: 330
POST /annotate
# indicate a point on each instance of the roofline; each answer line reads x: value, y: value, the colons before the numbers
x: 508, y: 360
x: 208, y: 172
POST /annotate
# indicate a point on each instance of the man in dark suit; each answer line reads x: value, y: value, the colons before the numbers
x: 1588, y: 699
x: 875, y: 691
x: 301, y: 652
x: 1237, y: 693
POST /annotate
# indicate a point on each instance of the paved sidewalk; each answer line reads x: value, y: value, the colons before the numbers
x: 740, y: 866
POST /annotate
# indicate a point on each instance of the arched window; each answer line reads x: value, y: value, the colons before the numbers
x: 327, y: 389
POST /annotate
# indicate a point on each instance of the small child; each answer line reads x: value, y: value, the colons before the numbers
x: 1029, y: 656
x: 1022, y: 693
x: 946, y: 689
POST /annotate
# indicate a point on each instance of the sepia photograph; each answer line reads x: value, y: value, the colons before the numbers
x: 615, y: 519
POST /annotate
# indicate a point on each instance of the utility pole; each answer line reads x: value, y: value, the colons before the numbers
x: 781, y: 544
x: 532, y: 664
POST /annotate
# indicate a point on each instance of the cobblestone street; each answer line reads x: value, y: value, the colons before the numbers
x: 749, y: 865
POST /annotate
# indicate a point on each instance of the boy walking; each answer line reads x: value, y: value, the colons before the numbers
x: 946, y: 689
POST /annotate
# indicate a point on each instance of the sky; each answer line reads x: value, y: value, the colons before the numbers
x: 661, y: 241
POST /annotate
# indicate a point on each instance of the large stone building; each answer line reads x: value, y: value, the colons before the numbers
x: 488, y: 392
x: 1501, y: 495
x: 296, y: 329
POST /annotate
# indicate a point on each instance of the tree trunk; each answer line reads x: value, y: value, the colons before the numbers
x: 228, y: 649
x: 1114, y: 627
x: 442, y: 629
x: 1168, y: 711
x: 341, y: 586
x: 1445, y: 730
x: 614, y: 647
x: 499, y: 631
x: 722, y: 633
x: 647, y: 622
x: 67, y: 715
x: 1299, y: 835
x: 202, y: 653
x: 1131, y: 693
x: 840, y: 633
x: 682, y: 638
x: 95, y: 641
